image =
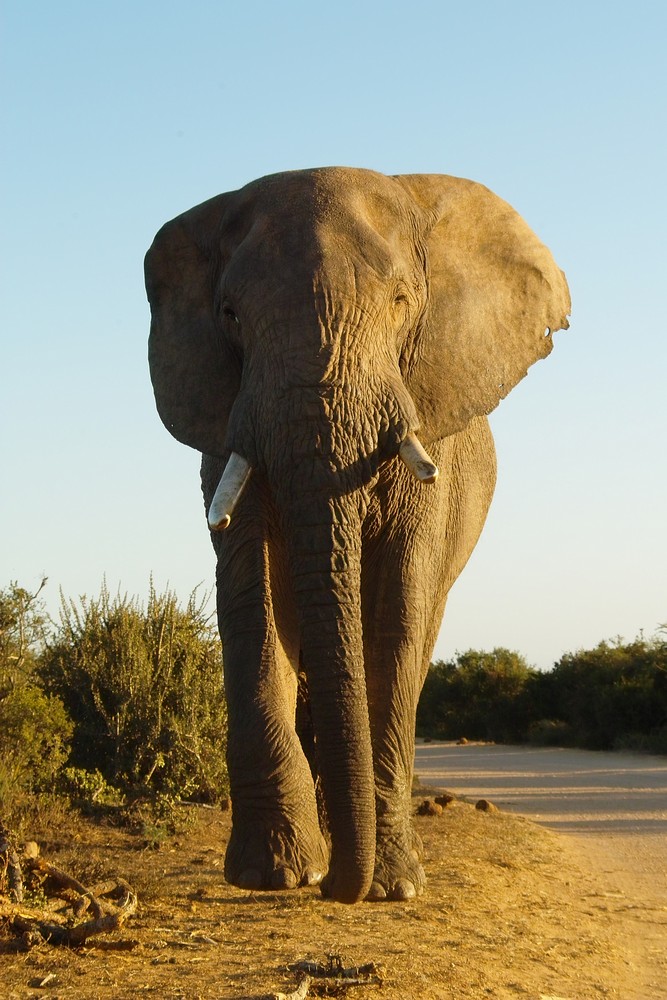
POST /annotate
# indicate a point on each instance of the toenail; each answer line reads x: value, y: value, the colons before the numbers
x: 403, y: 889
x: 250, y: 879
x: 376, y: 892
x: 283, y: 878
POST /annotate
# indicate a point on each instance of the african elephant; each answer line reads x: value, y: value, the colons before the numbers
x: 304, y: 329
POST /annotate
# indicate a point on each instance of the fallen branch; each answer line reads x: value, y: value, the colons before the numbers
x: 33, y: 930
x: 9, y: 861
x: 65, y: 881
x: 300, y: 993
x: 116, y: 888
x: 337, y: 975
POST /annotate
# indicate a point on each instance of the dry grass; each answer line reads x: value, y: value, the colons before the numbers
x: 507, y: 914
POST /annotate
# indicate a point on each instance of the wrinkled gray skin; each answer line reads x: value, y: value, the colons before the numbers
x: 308, y: 322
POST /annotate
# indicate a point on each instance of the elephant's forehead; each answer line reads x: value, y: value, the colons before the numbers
x: 324, y: 220
x: 322, y: 186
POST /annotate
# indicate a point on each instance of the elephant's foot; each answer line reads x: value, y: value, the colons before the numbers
x: 398, y: 873
x: 417, y: 844
x: 268, y: 852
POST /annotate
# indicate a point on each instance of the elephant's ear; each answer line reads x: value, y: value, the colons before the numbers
x: 194, y: 373
x: 495, y: 298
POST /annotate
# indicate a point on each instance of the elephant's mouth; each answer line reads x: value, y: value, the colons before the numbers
x: 238, y: 470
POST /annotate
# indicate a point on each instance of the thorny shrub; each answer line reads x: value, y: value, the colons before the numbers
x: 144, y: 689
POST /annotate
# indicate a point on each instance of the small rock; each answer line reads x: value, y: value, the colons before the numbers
x: 30, y: 849
x: 462, y: 742
x: 429, y: 807
x: 444, y: 799
x: 485, y: 806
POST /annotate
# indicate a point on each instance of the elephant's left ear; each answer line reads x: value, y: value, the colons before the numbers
x: 495, y: 297
x: 194, y: 372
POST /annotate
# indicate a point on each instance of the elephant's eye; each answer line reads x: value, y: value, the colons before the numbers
x: 229, y: 312
x: 400, y: 305
x: 401, y: 299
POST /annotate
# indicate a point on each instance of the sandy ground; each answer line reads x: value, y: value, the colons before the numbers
x: 512, y: 911
x: 611, y: 808
x: 507, y: 915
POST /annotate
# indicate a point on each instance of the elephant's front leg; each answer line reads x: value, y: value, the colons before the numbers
x: 418, y: 539
x: 395, y: 668
x: 276, y: 841
x: 405, y: 584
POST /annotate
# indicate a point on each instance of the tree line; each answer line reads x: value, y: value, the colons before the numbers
x: 611, y: 697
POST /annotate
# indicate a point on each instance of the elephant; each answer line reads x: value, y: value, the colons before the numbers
x: 332, y: 341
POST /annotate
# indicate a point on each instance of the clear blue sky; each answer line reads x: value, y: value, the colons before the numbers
x: 116, y: 116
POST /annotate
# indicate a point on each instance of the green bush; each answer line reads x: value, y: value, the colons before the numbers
x: 614, y: 694
x: 157, y: 818
x: 611, y: 697
x: 23, y: 622
x: 549, y: 733
x: 35, y: 734
x: 656, y: 741
x: 478, y: 695
x: 87, y: 789
x: 35, y: 730
x: 144, y: 688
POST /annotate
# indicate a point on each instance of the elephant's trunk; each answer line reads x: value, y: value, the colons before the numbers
x: 326, y: 557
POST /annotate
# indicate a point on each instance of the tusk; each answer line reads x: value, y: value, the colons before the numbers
x: 232, y: 483
x: 417, y: 460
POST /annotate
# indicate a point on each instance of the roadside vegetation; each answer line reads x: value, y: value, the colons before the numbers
x: 118, y: 707
x: 612, y: 697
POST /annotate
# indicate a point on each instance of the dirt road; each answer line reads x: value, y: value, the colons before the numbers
x: 511, y: 911
x: 611, y: 807
x: 574, y: 791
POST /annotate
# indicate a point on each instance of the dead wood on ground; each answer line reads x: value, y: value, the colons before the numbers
x: 10, y: 866
x: 31, y: 929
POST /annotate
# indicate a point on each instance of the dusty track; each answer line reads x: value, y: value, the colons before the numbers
x: 512, y: 911
x: 611, y: 807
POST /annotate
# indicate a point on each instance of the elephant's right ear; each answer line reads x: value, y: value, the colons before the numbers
x: 194, y: 373
x: 495, y: 296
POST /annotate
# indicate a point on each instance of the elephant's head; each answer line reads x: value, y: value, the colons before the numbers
x: 310, y: 324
